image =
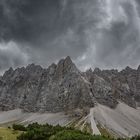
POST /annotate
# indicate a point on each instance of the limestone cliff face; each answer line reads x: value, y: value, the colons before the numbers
x: 63, y: 87
x: 58, y: 88
x: 111, y: 86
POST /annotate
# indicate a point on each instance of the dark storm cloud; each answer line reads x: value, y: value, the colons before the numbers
x: 48, y: 29
x: 116, y: 43
x: 120, y: 43
x: 26, y: 20
x: 11, y: 56
x: 102, y: 33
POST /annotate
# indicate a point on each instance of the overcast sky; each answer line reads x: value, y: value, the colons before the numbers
x: 95, y: 33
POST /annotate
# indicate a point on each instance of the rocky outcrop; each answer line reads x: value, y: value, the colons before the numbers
x: 62, y: 87
x: 112, y: 86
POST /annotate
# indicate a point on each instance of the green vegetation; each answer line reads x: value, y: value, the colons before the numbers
x: 19, y: 127
x: 41, y: 132
x: 75, y: 135
x: 36, y: 131
x: 48, y: 132
x: 135, y: 138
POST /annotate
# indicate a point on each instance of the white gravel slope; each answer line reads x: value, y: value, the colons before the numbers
x: 27, y: 118
x: 93, y: 124
x: 123, y: 121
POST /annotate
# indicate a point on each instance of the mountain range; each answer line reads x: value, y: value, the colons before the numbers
x: 94, y: 100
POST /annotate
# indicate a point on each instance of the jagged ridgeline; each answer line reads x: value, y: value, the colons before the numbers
x: 63, y: 87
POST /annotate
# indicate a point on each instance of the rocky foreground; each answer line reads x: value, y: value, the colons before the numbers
x: 63, y: 88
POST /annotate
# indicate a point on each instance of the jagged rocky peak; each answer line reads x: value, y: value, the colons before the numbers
x: 8, y: 72
x: 89, y: 70
x: 88, y: 74
x: 138, y: 69
x: 127, y: 70
x: 68, y: 60
x: 51, y: 69
x: 65, y: 66
x: 34, y: 68
x: 65, y: 61
x: 97, y: 70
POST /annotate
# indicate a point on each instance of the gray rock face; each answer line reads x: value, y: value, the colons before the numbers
x: 111, y: 86
x: 62, y: 87
x: 58, y: 88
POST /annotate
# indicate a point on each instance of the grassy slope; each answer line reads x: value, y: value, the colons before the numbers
x: 8, y: 134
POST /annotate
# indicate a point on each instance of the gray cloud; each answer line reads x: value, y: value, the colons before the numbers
x: 103, y: 33
x: 116, y: 41
x: 11, y: 56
